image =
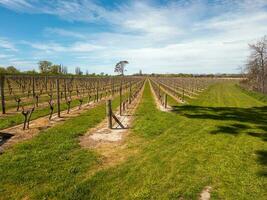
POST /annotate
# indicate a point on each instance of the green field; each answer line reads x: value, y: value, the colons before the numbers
x: 217, y: 140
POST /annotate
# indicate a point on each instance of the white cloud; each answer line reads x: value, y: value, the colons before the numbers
x: 53, y: 47
x: 84, y: 47
x: 7, y: 45
x: 16, y: 4
x: 189, y: 36
x: 2, y: 56
x: 64, y: 33
x: 73, y: 10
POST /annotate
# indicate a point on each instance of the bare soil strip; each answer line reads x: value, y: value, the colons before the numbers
x: 42, y: 123
x: 205, y: 194
x: 195, y: 93
x: 159, y: 105
x: 110, y: 143
x: 174, y: 97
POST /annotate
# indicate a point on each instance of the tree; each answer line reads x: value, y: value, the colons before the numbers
x: 44, y: 66
x: 120, y: 67
x: 9, y: 70
x: 31, y: 72
x: 257, y: 65
x: 12, y: 70
x: 78, y: 71
x: 55, y: 69
x: 2, y: 70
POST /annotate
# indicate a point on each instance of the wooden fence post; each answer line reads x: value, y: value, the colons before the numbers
x: 130, y: 95
x: 120, y: 98
x: 2, y: 87
x: 109, y: 113
x: 159, y: 90
x: 58, y: 98
x: 97, y: 87
x: 65, y: 89
x: 33, y: 86
x: 112, y: 86
x: 165, y: 100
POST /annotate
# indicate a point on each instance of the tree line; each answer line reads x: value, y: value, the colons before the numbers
x: 48, y: 68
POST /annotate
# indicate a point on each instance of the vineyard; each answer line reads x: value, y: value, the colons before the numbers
x: 44, y: 95
x: 131, y: 137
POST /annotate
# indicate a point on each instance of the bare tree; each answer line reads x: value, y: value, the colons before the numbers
x: 120, y: 67
x: 257, y: 65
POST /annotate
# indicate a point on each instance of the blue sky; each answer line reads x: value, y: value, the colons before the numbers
x: 160, y: 36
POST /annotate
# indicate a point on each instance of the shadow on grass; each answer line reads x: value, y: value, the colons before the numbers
x: 256, y: 117
x: 233, y: 129
x: 262, y: 159
x: 4, y: 137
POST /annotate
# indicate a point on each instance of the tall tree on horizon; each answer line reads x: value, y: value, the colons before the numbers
x: 120, y: 67
x: 44, y: 66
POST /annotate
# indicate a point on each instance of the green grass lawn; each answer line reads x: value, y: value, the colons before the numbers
x: 51, y: 164
x: 217, y: 140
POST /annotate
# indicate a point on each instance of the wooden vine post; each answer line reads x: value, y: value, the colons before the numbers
x: 165, y: 100
x: 2, y: 86
x: 65, y: 89
x: 97, y: 88
x: 159, y: 90
x: 58, y: 98
x: 130, y: 94
x: 120, y: 98
x: 33, y: 86
x: 112, y: 86
x: 46, y: 83
x: 109, y: 113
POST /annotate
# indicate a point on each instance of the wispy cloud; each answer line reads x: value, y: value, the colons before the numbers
x: 73, y: 10
x: 64, y: 33
x: 187, y: 36
x: 52, y: 47
x: 19, y: 5
x: 5, y: 56
x: 7, y: 45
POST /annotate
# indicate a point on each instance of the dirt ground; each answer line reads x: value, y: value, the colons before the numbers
x: 158, y: 103
x: 176, y: 98
x: 111, y: 143
x: 205, y: 194
x: 18, y: 134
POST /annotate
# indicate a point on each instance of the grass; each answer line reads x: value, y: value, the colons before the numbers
x: 18, y: 118
x: 218, y: 140
x: 11, y: 104
x: 257, y: 95
x: 52, y: 163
